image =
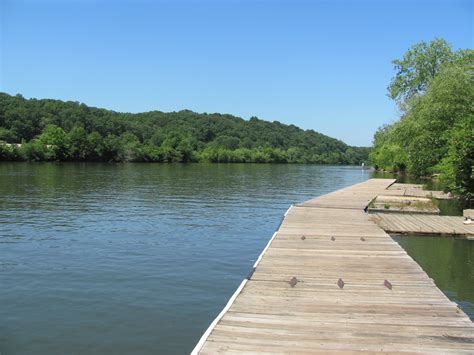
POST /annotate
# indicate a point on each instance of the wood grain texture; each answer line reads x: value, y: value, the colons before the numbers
x: 320, y: 242
x: 423, y: 224
x: 416, y: 190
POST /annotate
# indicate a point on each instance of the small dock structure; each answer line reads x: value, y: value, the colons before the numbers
x: 416, y: 190
x: 332, y: 281
x: 424, y: 224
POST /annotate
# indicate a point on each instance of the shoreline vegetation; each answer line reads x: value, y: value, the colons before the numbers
x: 434, y: 90
x: 54, y: 130
x: 434, y: 137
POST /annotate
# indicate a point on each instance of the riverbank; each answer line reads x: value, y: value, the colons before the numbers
x: 37, y: 151
x: 453, y: 207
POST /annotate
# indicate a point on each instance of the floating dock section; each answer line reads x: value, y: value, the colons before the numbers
x: 332, y: 281
x: 422, y: 224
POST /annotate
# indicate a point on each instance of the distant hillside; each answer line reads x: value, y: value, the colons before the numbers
x: 58, y: 130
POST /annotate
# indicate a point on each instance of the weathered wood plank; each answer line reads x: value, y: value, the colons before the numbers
x: 295, y: 302
x: 423, y: 224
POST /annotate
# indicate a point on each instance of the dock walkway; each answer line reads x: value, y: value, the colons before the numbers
x: 332, y: 281
x: 397, y: 223
x: 416, y: 190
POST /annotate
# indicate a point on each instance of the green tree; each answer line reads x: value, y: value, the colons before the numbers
x: 77, y: 138
x: 54, y: 139
x: 95, y: 148
x: 227, y: 142
x: 435, y: 132
x: 10, y: 152
x: 35, y: 150
x: 458, y: 166
x: 102, y: 135
x: 418, y: 66
x: 111, y: 148
x: 7, y: 135
x: 129, y: 148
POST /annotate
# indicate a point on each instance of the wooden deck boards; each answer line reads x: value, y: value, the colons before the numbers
x: 423, y: 224
x: 319, y: 242
x: 416, y: 190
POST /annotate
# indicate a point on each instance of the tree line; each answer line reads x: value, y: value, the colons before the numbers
x: 54, y: 130
x: 434, y: 89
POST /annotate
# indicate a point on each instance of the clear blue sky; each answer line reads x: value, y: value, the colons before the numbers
x: 321, y: 65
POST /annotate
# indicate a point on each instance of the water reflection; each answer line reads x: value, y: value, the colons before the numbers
x: 139, y: 258
x: 449, y: 262
x: 135, y: 258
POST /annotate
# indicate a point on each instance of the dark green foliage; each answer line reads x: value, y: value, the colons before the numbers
x: 435, y: 133
x: 10, y: 152
x: 458, y: 164
x: 57, y: 130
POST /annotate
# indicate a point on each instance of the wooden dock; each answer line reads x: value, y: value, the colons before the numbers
x: 416, y: 190
x: 332, y: 281
x: 397, y: 223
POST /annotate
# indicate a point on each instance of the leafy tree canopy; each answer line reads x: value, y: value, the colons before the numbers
x: 435, y: 134
x: 419, y: 65
x: 58, y: 130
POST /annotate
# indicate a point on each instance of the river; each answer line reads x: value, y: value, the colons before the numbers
x: 140, y: 258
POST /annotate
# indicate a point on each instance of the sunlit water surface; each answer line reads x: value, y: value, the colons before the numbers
x: 449, y: 262
x: 136, y: 258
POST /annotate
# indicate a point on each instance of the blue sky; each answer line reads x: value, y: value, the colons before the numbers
x: 321, y: 65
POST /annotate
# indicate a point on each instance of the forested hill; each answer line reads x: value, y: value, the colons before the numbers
x: 58, y: 130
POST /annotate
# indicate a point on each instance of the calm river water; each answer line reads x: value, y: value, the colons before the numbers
x: 140, y: 258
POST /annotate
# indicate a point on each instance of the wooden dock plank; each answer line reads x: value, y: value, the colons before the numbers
x: 416, y: 190
x: 319, y: 242
x: 423, y: 224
